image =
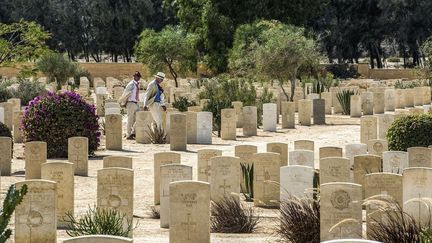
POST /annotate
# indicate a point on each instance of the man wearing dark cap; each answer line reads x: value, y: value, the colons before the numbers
x: 130, y: 98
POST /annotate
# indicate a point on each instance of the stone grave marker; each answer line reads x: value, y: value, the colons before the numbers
x: 204, y: 156
x: 170, y: 173
x: 335, y: 169
x: 266, y: 179
x: 35, y: 153
x: 389, y: 100
x: 416, y: 189
x: 384, y: 122
x: 340, y: 201
x: 305, y: 112
x: 5, y: 156
x: 62, y: 173
x: 367, y: 103
x: 17, y: 132
x: 355, y: 106
x: 296, y: 180
x: 281, y: 149
x: 319, y: 111
x: 269, y: 117
x: 35, y: 216
x: 144, y: 120
x: 298, y: 95
x: 238, y: 105
x: 225, y: 177
x: 418, y: 96
x: 325, y: 152
x: 113, y: 132
x: 16, y: 104
x: 337, y: 108
x: 399, y: 98
x: 117, y: 161
x: 328, y: 102
x: 377, y: 146
x: 178, y: 132
x: 378, y: 99
x: 304, y: 145
x: 419, y: 157
x: 162, y: 158
x: 409, y: 97
x: 249, y: 122
x: 426, y: 95
x: 192, y: 127
x: 78, y: 154
x: 288, y: 114
x: 190, y: 212
x: 204, y: 127
x: 115, y: 190
x: 8, y: 114
x: 228, y: 124
x: 354, y: 149
x: 395, y: 161
x: 368, y: 128
x: 365, y: 164
x: 301, y: 157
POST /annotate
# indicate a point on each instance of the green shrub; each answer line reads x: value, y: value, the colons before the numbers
x: 98, y: 221
x: 410, y: 131
x: 57, y: 68
x: 182, y: 103
x: 156, y: 134
x: 81, y: 72
x: 247, y: 172
x: 5, y: 92
x: 5, y: 132
x: 54, y: 118
x: 342, y: 71
x: 27, y: 90
x: 344, y: 98
x: 13, y: 199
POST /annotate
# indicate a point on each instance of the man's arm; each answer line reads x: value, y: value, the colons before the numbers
x: 148, y: 94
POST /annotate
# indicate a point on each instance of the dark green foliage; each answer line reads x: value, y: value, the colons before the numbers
x: 57, y: 68
x: 299, y: 220
x: 316, y: 185
x: 27, y: 90
x: 156, y: 134
x: 231, y: 216
x: 5, y: 131
x: 13, y: 198
x: 342, y: 71
x: 344, y: 98
x: 98, y: 221
x: 182, y: 103
x: 410, y: 131
x: 247, y: 172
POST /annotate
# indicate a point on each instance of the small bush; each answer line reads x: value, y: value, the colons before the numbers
x: 5, y: 132
x: 13, y: 199
x: 156, y: 134
x: 57, y: 68
x: 80, y: 72
x: 230, y: 216
x: 299, y: 220
x: 97, y: 221
x: 28, y: 90
x: 344, y: 98
x: 182, y: 103
x: 410, y: 131
x: 154, y: 212
x: 54, y: 118
x: 342, y: 71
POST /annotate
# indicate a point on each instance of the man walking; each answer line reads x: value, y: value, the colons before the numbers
x: 130, y: 98
x: 154, y: 98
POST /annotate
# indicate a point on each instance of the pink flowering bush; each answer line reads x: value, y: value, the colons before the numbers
x: 53, y: 118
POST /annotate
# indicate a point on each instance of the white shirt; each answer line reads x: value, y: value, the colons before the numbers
x: 133, y: 97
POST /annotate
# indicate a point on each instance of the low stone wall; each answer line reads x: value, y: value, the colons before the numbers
x: 382, y: 74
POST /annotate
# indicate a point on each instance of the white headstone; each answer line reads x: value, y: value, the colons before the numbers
x: 269, y: 117
x: 296, y: 180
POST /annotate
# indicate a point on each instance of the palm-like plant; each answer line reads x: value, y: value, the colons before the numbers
x: 344, y: 98
x: 247, y: 171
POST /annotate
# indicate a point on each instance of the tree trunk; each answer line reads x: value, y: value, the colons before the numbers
x: 293, y: 83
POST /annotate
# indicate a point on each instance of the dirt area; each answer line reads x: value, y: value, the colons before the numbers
x: 340, y: 130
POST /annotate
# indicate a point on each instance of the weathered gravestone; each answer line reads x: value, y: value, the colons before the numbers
x: 204, y: 169
x: 62, y: 173
x: 337, y: 108
x: 178, y: 132
x: 395, y: 161
x: 328, y: 102
x: 204, y: 127
x: 225, y: 177
x: 35, y: 216
x: 417, y: 192
x: 113, y: 132
x: 191, y: 127
x: 389, y: 100
x: 419, y: 157
x: 325, y: 152
x: 5, y: 156
x: 301, y: 157
x: 281, y: 149
x: 378, y: 99
x: 238, y: 105
x: 365, y: 164
x: 319, y: 111
x: 334, y: 169
x: 355, y: 106
x: 305, y: 112
x: 35, y: 155
x: 98, y: 239
x: 297, y: 181
x: 426, y: 95
x: 354, y: 149
x: 266, y: 179
x: 17, y: 132
x: 399, y: 98
x: 249, y: 122
x: 367, y: 103
x: 368, y: 128
x: 117, y: 161
x: 409, y: 97
x: 170, y: 173
x: 144, y: 120
x: 340, y: 211
x: 190, y: 212
x: 288, y: 114
x: 377, y: 146
x: 418, y: 96
x: 8, y: 114
x: 384, y: 122
x: 304, y: 145
x: 269, y: 117
x: 115, y: 190
x: 78, y: 154
x: 228, y: 124
x: 162, y: 158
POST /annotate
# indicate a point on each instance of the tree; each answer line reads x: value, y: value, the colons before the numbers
x: 22, y: 41
x: 57, y: 67
x: 13, y: 198
x: 171, y: 48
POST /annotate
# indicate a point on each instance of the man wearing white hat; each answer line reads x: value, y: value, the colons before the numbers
x: 154, y: 98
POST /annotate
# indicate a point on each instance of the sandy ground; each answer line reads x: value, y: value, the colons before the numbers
x: 340, y: 130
